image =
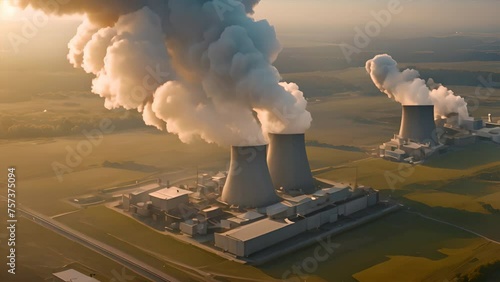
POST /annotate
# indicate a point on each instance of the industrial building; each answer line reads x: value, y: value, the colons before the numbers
x: 72, y: 275
x: 156, y: 201
x: 417, y: 139
x: 169, y: 198
x: 421, y: 137
x: 268, y: 195
x: 292, y: 217
x: 249, y: 239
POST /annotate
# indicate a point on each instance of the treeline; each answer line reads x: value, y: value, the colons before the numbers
x: 25, y: 127
x: 484, y: 273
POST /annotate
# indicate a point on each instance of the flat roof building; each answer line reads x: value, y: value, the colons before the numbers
x: 169, y: 198
x: 74, y: 276
x: 249, y: 239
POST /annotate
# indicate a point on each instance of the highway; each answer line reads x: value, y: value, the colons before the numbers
x: 116, y: 255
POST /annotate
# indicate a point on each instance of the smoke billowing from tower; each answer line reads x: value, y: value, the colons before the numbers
x: 196, y: 68
x: 407, y: 88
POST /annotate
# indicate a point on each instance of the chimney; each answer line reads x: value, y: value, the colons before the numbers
x: 248, y: 183
x: 417, y: 124
x: 288, y: 163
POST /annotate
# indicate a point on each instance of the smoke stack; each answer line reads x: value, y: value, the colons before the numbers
x: 417, y: 124
x: 288, y: 163
x: 248, y: 182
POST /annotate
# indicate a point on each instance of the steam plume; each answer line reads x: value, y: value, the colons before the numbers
x: 409, y: 89
x: 197, y: 68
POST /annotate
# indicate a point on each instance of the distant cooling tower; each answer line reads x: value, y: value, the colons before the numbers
x: 248, y: 182
x: 417, y: 124
x: 288, y: 163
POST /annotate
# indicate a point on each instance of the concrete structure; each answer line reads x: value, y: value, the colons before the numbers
x: 169, y: 198
x: 241, y: 219
x: 356, y: 205
x: 401, y: 149
x: 194, y: 227
x: 211, y: 212
x: 334, y: 194
x: 288, y: 163
x: 417, y: 124
x: 254, y: 237
x: 249, y: 183
x: 322, y: 217
x: 304, y: 205
x: 294, y: 216
x: 472, y: 124
x: 143, y: 208
x: 142, y: 193
x: 458, y: 137
x: 74, y: 276
x: 492, y: 134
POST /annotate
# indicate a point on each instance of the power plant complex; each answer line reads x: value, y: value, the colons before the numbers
x: 267, y: 196
x: 421, y: 136
x: 268, y: 199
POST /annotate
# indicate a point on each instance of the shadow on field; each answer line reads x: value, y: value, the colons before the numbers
x: 399, y: 234
x: 130, y: 165
x: 478, y: 154
x: 484, y: 224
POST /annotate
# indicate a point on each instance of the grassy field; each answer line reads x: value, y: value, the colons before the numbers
x: 399, y: 247
x: 41, y: 255
x: 135, y: 239
x: 37, y: 179
x: 351, y: 117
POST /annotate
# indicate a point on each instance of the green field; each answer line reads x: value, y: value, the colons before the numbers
x: 41, y: 255
x: 144, y: 243
x: 351, y: 117
x: 399, y: 247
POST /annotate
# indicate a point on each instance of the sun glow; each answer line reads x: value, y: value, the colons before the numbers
x: 6, y: 9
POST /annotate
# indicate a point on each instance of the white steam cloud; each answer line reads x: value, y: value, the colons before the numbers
x: 197, y: 68
x: 409, y: 89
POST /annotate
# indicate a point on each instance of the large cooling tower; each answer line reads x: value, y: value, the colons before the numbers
x: 288, y: 163
x: 248, y: 182
x: 417, y: 124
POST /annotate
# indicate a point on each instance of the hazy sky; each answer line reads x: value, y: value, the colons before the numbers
x: 331, y: 19
x: 297, y: 22
x: 419, y: 17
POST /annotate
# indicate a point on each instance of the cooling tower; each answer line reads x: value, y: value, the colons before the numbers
x: 288, y: 163
x: 417, y: 124
x: 248, y: 182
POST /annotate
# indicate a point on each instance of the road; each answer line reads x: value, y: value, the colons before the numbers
x: 116, y: 255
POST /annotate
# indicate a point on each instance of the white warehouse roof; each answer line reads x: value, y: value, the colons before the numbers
x: 330, y: 191
x: 170, y: 193
x: 256, y: 229
x: 75, y: 276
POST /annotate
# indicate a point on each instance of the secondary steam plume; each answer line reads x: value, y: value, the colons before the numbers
x: 197, y: 68
x: 409, y: 89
